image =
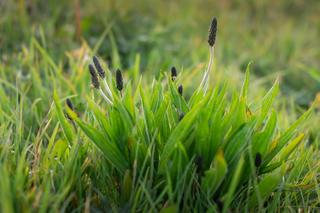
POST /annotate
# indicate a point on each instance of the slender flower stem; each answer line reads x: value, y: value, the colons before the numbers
x: 205, y: 80
x: 106, y: 86
x: 105, y: 97
x: 211, y: 41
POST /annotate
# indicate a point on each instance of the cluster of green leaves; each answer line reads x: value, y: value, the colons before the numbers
x: 206, y: 155
x: 49, y: 165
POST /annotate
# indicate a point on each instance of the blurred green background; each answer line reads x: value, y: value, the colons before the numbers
x: 280, y: 37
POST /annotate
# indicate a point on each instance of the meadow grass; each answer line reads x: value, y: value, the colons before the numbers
x: 247, y: 142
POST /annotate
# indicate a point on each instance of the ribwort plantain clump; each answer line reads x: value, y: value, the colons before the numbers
x: 206, y: 137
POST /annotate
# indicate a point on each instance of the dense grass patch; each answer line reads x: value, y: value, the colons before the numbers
x: 202, y: 152
x: 236, y: 136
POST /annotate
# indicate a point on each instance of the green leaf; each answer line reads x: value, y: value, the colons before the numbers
x: 238, y: 142
x: 116, y: 61
x: 170, y: 209
x: 100, y: 116
x: 148, y: 115
x: 233, y: 185
x: 286, y: 136
x: 265, y: 187
x: 285, y: 153
x: 66, y: 126
x: 214, y: 176
x: 109, y: 148
x: 262, y: 139
x: 177, y: 99
x: 268, y: 101
x: 126, y: 186
x: 181, y: 131
x: 245, y: 87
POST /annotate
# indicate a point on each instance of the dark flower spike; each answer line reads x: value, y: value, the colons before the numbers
x: 258, y: 160
x: 180, y: 89
x: 181, y: 116
x: 94, y: 77
x: 119, y: 80
x: 212, y: 32
x: 173, y: 73
x: 99, y: 68
x: 69, y: 104
x: 102, y: 75
x: 219, y: 204
x: 199, y: 164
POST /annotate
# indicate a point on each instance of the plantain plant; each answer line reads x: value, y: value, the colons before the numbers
x: 168, y: 152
